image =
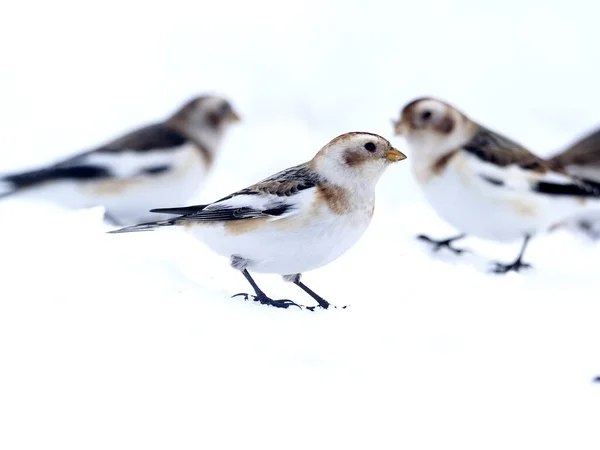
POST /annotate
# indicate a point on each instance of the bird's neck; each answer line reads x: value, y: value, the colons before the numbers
x: 207, y: 139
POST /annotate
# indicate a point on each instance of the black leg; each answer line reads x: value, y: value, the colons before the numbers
x: 597, y: 379
x: 517, y: 265
x: 261, y: 296
x: 444, y: 243
x: 320, y: 300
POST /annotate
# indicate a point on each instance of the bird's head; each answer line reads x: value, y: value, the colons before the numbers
x: 432, y: 126
x: 356, y: 158
x: 205, y: 117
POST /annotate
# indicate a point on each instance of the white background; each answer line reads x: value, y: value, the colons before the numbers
x: 132, y: 341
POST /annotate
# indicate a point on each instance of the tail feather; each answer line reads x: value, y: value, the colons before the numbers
x: 147, y: 226
x: 182, y: 211
x: 15, y: 182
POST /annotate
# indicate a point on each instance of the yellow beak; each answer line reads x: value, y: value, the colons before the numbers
x: 394, y: 155
x: 400, y: 128
x: 234, y: 117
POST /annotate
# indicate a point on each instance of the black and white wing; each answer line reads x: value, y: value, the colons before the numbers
x: 146, y: 151
x: 282, y: 195
x: 276, y: 196
x: 503, y: 163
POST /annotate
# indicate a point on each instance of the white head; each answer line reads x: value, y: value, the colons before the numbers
x: 205, y: 118
x: 356, y: 159
x: 432, y: 128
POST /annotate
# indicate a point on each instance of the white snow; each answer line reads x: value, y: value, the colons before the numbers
x: 131, y: 341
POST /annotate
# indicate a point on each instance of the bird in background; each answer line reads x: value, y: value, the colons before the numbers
x: 159, y: 163
x: 582, y: 160
x: 294, y: 221
x: 483, y: 183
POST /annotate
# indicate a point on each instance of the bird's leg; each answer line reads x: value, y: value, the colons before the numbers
x: 295, y: 278
x: 444, y: 243
x: 262, y: 297
x: 240, y: 264
x: 517, y: 265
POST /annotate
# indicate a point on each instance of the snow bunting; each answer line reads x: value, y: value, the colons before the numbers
x: 296, y: 220
x: 582, y: 160
x: 483, y: 183
x: 162, y: 162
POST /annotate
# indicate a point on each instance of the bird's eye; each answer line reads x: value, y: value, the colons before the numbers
x: 426, y: 115
x: 225, y: 108
x: 369, y: 146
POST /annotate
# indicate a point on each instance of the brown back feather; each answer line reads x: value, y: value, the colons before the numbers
x: 497, y: 149
x: 583, y: 152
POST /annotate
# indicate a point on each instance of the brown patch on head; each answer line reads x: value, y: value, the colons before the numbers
x: 348, y: 136
x: 440, y: 164
x: 355, y: 159
x: 335, y: 197
x: 445, y: 125
x: 582, y: 201
x: 181, y: 116
x: 439, y: 116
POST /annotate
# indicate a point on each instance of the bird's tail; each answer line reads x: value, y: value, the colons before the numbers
x: 147, y: 226
x: 15, y: 182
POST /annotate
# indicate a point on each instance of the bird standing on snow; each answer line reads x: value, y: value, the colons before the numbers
x: 483, y: 183
x: 296, y: 220
x: 162, y: 162
x: 582, y: 160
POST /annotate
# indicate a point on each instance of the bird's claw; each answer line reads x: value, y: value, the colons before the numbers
x: 444, y: 243
x: 264, y: 300
x: 517, y: 266
x: 329, y: 306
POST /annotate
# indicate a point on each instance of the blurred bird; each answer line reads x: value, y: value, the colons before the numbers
x: 296, y: 220
x: 483, y: 183
x: 158, y: 163
x: 582, y: 160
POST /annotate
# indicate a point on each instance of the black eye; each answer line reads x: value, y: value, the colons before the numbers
x: 370, y: 146
x: 426, y: 115
x: 225, y: 109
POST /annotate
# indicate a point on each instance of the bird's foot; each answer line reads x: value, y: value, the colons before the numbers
x: 264, y: 300
x: 328, y: 306
x: 443, y: 243
x: 517, y: 266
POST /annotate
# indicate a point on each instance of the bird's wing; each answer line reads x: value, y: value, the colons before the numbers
x: 500, y: 151
x: 504, y: 163
x: 147, y: 151
x: 278, y: 196
x: 583, y: 152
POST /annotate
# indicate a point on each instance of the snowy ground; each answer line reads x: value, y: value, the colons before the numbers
x: 132, y: 341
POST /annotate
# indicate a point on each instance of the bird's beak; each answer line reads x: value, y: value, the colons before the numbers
x: 400, y: 128
x: 234, y: 117
x: 394, y: 155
